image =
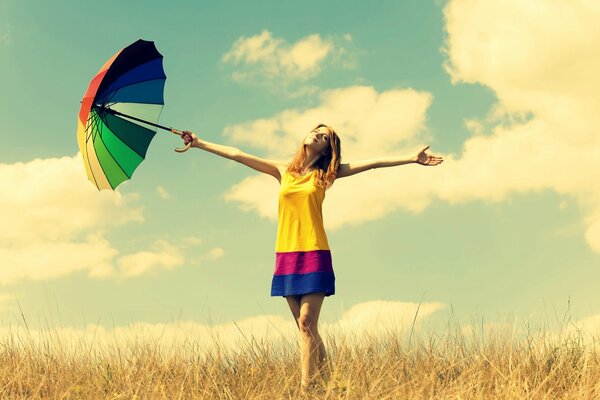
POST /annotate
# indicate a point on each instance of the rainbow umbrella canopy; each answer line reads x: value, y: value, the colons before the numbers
x: 118, y: 115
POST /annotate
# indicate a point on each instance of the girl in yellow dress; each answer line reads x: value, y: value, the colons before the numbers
x: 303, y: 265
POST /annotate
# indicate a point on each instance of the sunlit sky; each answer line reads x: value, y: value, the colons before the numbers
x: 506, y: 92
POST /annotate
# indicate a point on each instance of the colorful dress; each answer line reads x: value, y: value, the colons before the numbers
x: 302, y: 257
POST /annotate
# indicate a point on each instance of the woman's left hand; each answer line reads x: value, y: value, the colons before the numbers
x: 427, y: 159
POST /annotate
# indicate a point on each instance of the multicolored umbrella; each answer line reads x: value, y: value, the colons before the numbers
x: 119, y: 114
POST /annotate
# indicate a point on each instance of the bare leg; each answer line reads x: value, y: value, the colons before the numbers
x: 294, y: 303
x: 324, y: 369
x: 311, y: 342
x: 323, y: 365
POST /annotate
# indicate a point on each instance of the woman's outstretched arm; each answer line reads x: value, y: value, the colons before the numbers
x: 270, y: 167
x: 361, y: 166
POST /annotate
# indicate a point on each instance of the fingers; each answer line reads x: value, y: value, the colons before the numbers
x: 432, y: 160
x: 187, y: 137
x: 183, y: 134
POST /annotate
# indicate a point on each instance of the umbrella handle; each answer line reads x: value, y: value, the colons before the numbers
x: 181, y: 149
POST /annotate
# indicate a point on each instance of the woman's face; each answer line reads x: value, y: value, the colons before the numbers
x: 318, y: 140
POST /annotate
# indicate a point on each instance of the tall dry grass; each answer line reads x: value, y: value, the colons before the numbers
x: 447, y: 364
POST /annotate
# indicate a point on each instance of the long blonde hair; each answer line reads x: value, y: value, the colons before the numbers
x: 327, y: 165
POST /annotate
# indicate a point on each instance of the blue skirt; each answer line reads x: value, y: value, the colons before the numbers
x: 303, y: 272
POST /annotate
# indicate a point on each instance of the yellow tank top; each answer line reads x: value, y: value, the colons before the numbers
x: 300, y: 215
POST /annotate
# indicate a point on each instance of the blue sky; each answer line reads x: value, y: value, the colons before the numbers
x: 505, y: 226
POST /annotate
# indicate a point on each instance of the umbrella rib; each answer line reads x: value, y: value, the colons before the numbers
x: 97, y: 133
x: 149, y: 125
x: 98, y: 136
x: 109, y: 152
x: 96, y: 128
x: 93, y: 122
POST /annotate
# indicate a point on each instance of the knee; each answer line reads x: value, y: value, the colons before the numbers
x: 308, y: 326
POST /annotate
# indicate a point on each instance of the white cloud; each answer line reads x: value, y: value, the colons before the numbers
x: 215, y: 253
x: 370, y: 124
x: 143, y: 262
x: 53, y: 220
x: 52, y: 259
x: 491, y: 330
x: 54, y: 223
x: 541, y: 60
x: 162, y: 192
x: 371, y: 318
x: 588, y: 328
x: 51, y: 200
x: 382, y: 317
x: 366, y: 121
x: 264, y: 58
x: 162, y: 256
x: 581, y: 332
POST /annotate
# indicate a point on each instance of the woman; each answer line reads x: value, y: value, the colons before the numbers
x: 303, y: 268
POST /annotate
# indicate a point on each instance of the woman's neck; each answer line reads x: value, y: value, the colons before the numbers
x: 310, y: 161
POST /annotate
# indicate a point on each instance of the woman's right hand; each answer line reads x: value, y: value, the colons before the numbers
x: 188, y: 137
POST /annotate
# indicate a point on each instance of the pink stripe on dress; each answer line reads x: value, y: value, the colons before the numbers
x: 303, y: 262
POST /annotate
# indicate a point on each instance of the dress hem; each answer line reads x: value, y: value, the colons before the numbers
x: 327, y: 292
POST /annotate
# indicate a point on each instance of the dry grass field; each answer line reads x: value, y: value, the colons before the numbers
x: 454, y: 364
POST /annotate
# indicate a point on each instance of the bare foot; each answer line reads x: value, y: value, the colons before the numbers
x: 325, y: 370
x: 312, y: 389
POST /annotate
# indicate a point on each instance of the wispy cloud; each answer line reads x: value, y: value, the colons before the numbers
x: 162, y: 256
x: 192, y: 240
x: 5, y: 35
x: 267, y: 60
x: 215, y: 253
x: 162, y: 192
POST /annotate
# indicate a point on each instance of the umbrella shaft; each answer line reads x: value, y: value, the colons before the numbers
x: 114, y: 112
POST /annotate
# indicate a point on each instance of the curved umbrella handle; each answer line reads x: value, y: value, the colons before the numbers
x: 181, y: 149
